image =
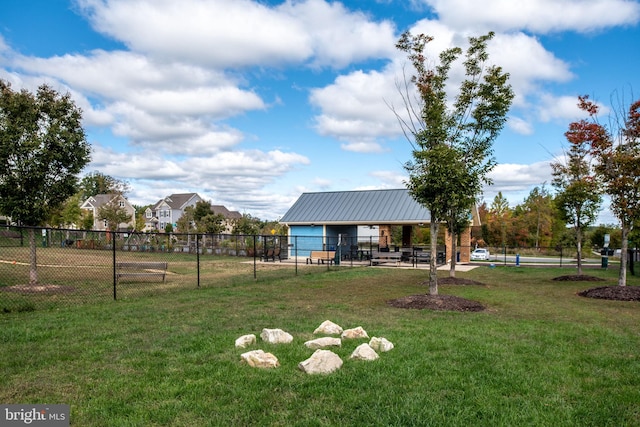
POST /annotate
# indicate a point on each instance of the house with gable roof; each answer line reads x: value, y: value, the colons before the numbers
x: 319, y: 221
x: 94, y: 203
x: 168, y: 210
x: 229, y: 216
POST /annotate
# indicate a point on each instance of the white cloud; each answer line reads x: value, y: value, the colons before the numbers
x: 340, y: 37
x: 539, y: 16
x: 237, y: 33
x: 520, y: 126
x: 563, y: 108
x: 528, y: 63
x: 219, y: 33
x: 390, y: 179
x: 357, y: 107
x: 362, y: 147
x: 519, y: 176
x: 515, y: 181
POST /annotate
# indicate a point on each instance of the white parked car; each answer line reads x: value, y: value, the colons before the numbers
x: 480, y: 254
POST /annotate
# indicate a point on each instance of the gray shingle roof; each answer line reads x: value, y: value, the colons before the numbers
x: 356, y: 207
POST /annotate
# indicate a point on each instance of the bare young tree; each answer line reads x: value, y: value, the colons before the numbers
x: 452, y: 141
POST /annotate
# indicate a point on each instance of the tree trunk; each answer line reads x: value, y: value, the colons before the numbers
x: 33, y: 266
x: 579, y: 247
x: 433, y: 272
x: 622, y: 276
x: 454, y: 249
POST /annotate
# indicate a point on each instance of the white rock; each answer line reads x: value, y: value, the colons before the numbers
x: 321, y: 362
x: 246, y: 340
x: 328, y: 328
x: 381, y: 344
x: 260, y: 359
x: 354, y: 333
x: 364, y: 352
x: 323, y: 342
x: 276, y: 336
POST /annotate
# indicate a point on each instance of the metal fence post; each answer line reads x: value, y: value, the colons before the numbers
x: 198, y: 258
x: 115, y: 279
x: 255, y: 257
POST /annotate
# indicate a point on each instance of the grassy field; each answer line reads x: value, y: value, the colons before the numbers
x: 87, y: 275
x: 539, y: 354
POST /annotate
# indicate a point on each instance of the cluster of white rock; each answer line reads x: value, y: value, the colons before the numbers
x: 322, y: 361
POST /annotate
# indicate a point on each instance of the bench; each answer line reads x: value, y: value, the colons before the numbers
x: 384, y: 257
x: 272, y: 254
x: 141, y: 270
x: 322, y: 256
x: 419, y: 256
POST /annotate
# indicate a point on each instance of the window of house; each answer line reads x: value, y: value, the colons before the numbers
x: 121, y: 203
x: 148, y: 214
x: 105, y: 223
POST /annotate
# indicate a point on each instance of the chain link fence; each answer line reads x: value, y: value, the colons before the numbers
x: 558, y: 256
x: 85, y: 266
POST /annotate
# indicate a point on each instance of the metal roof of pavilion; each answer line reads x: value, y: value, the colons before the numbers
x: 369, y: 207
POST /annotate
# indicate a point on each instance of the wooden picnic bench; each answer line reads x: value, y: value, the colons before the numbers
x: 385, y: 257
x: 271, y: 254
x: 322, y: 256
x: 141, y: 270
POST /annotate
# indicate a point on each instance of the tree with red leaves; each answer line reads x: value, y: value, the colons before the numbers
x: 618, y: 167
x: 579, y: 193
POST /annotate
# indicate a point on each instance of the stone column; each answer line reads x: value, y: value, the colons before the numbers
x: 384, y: 235
x: 448, y: 244
x: 465, y: 245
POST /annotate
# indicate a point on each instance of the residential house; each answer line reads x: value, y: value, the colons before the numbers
x: 168, y: 211
x: 229, y: 216
x: 94, y: 203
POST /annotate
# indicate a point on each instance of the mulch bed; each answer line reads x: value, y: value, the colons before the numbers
x: 615, y: 293
x: 618, y: 293
x: 436, y: 302
x: 578, y: 278
x: 440, y: 302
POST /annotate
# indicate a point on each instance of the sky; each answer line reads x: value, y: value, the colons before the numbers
x: 251, y: 103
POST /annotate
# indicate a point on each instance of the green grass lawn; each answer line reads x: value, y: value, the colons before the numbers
x: 539, y: 355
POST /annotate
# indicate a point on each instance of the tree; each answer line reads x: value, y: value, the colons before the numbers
x: 452, y: 142
x: 185, y: 223
x: 246, y: 225
x: 535, y: 219
x: 499, y: 221
x: 578, y: 199
x: 618, y: 166
x: 206, y: 221
x: 98, y: 183
x: 42, y: 149
x: 113, y: 213
x: 141, y: 216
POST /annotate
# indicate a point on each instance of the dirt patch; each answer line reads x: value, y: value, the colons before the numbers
x: 436, y: 302
x: 39, y: 289
x: 578, y: 278
x: 617, y: 293
x: 456, y: 281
